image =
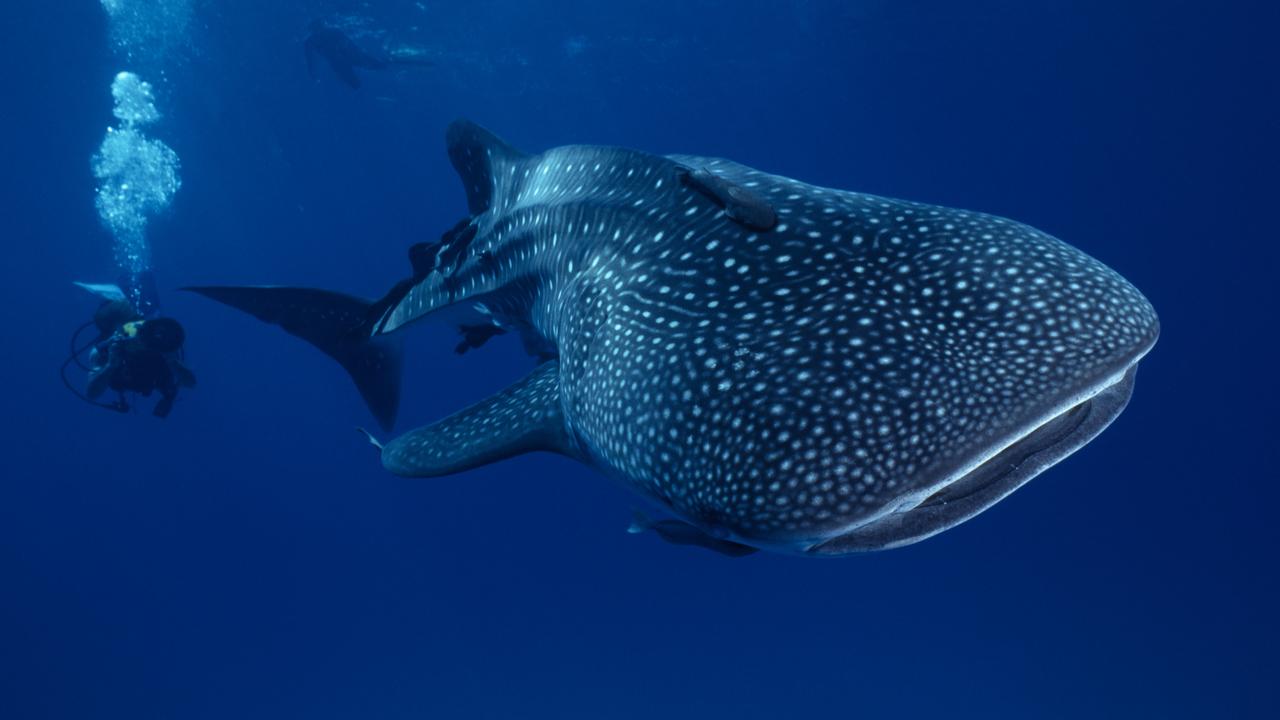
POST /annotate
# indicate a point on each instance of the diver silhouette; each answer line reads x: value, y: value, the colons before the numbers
x: 344, y: 56
x: 134, y: 352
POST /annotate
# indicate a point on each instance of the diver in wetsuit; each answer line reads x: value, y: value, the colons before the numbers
x: 344, y: 56
x: 139, y: 356
x: 135, y: 351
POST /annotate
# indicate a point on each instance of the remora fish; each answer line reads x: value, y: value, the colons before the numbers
x: 781, y: 366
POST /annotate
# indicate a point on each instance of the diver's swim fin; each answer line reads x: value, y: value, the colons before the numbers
x: 337, y: 324
x: 106, y: 291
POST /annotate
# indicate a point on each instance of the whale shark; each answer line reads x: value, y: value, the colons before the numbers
x: 776, y: 365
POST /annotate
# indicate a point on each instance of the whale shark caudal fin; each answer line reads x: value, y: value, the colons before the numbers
x: 525, y: 417
x: 338, y: 325
x: 480, y: 157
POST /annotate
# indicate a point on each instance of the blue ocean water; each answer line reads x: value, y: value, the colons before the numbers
x: 249, y: 558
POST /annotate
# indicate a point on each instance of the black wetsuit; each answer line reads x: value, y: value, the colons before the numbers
x: 125, y: 364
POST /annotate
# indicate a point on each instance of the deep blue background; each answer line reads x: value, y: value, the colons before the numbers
x: 248, y: 558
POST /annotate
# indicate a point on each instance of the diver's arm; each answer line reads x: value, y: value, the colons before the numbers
x: 100, y: 377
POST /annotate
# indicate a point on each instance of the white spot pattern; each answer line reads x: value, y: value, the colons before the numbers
x: 782, y: 385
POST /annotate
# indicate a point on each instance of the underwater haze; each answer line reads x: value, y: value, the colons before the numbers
x: 249, y: 557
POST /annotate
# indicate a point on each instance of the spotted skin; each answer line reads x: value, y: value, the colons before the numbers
x: 783, y: 386
x: 780, y: 365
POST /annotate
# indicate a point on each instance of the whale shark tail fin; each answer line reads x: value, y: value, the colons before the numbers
x: 339, y: 325
x: 483, y: 161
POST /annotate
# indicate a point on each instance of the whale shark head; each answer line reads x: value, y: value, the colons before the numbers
x: 780, y: 365
x: 920, y: 363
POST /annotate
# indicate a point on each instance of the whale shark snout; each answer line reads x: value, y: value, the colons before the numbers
x: 972, y: 491
x: 1052, y: 428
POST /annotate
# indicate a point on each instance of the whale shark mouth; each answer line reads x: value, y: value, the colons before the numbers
x: 970, y: 492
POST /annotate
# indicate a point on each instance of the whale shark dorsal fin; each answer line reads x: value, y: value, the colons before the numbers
x: 525, y: 417
x: 483, y: 161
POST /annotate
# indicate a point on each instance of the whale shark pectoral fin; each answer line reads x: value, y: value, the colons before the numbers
x: 524, y: 417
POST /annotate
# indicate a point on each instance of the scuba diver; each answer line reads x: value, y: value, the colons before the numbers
x: 344, y: 56
x: 131, y: 354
